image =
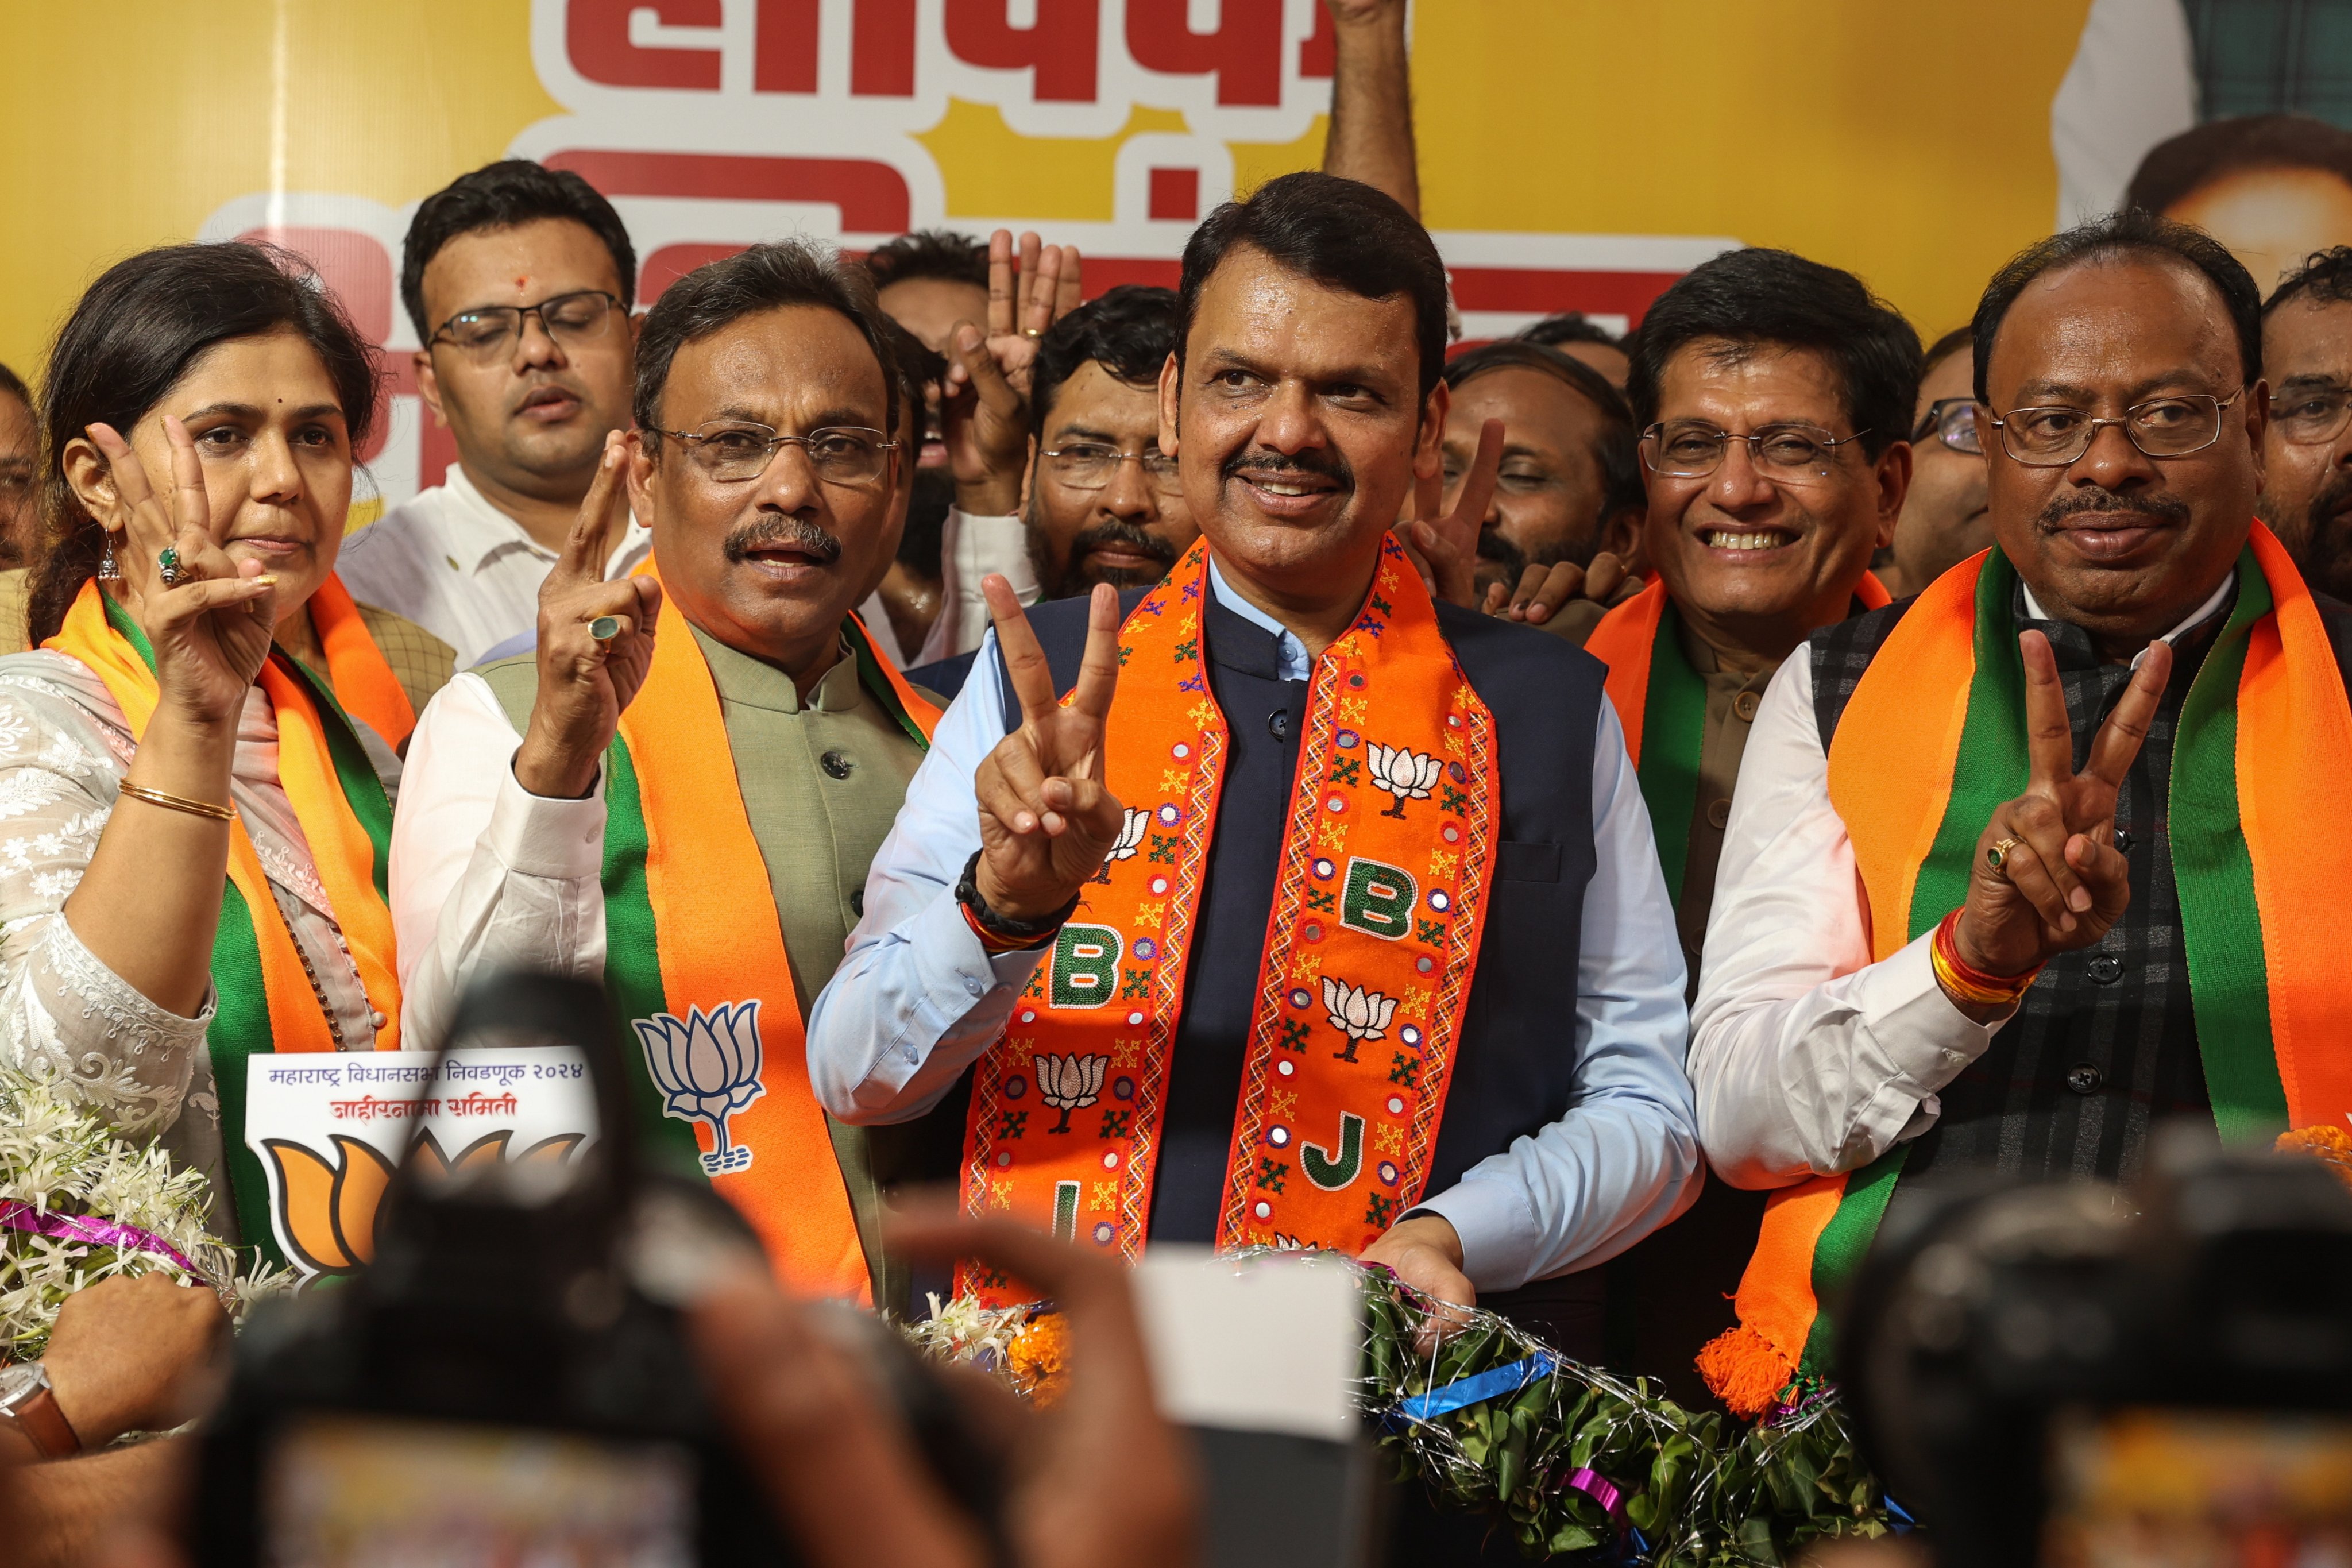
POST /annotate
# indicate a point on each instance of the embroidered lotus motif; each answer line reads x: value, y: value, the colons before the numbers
x: 1130, y: 838
x: 1359, y: 1014
x: 1069, y: 1083
x: 1406, y: 774
x: 707, y: 1066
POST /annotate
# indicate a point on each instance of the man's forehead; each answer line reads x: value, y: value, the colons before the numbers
x: 1711, y: 376
x: 1091, y: 397
x: 1521, y: 397
x: 1254, y: 306
x: 789, y: 361
x: 519, y: 265
x: 2121, y: 319
x: 2308, y: 333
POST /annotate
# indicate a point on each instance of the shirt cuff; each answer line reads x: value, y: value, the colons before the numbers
x: 532, y: 835
x: 1497, y: 1227
x: 1920, y: 1039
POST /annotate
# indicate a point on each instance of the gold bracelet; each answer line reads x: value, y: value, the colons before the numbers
x: 178, y: 803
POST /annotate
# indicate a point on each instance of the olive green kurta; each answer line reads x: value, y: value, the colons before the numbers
x: 822, y: 784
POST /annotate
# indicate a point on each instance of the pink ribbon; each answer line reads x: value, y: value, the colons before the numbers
x: 16, y: 1216
x: 1597, y: 1486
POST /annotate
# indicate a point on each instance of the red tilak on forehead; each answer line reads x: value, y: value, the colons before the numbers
x: 521, y: 283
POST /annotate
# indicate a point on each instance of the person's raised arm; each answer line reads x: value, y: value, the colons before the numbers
x: 1371, y: 138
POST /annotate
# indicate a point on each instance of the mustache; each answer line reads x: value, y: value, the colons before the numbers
x: 775, y: 530
x: 1313, y: 460
x: 1126, y: 536
x: 1493, y: 546
x: 2170, y: 507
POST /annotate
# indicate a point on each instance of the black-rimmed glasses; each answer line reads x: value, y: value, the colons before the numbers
x: 571, y: 319
x: 1952, y: 421
x: 2054, y: 437
x: 732, y: 453
x: 1793, y: 453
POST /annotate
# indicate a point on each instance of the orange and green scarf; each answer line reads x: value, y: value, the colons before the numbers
x: 1933, y: 740
x: 265, y: 1001
x: 1367, y: 955
x: 1661, y: 704
x: 695, y: 964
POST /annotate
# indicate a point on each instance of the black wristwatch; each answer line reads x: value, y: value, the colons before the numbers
x: 1025, y: 933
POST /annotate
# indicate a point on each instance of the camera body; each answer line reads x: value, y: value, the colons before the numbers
x: 1998, y: 1334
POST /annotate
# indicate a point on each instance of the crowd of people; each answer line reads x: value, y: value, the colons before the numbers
x: 1592, y: 823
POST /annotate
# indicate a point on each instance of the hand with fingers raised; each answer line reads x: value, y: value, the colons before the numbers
x: 2047, y: 878
x: 984, y: 409
x: 595, y: 645
x: 1544, y: 591
x: 1046, y: 817
x: 209, y: 618
x: 1444, y: 545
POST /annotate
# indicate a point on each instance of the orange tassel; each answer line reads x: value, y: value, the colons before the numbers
x: 1745, y: 1369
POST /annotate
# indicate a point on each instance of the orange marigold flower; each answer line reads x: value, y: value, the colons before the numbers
x: 2333, y: 1144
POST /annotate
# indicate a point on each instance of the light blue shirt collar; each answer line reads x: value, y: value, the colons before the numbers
x: 1290, y: 660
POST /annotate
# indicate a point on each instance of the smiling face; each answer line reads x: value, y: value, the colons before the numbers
x: 2307, y: 485
x: 1298, y: 426
x: 1756, y: 562
x: 769, y: 566
x: 531, y: 419
x: 1132, y: 529
x: 1944, y: 518
x: 1548, y: 489
x: 2120, y: 543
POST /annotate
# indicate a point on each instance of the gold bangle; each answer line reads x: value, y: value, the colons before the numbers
x: 178, y: 803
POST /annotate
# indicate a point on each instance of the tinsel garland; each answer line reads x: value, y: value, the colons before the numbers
x: 122, y: 1207
x: 1573, y: 1460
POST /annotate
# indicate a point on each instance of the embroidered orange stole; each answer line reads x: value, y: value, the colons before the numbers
x: 1367, y: 955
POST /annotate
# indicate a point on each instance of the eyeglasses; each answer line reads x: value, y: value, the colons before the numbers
x: 571, y: 319
x: 731, y: 454
x: 1952, y: 421
x: 2161, y: 427
x: 1790, y: 452
x: 2311, y: 418
x: 1089, y: 467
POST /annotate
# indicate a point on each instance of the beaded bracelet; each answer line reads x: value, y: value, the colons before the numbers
x: 1964, y: 982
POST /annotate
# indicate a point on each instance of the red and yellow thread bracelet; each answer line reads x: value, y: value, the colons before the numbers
x: 1963, y: 982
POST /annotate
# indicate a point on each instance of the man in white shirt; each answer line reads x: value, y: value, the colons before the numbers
x: 520, y: 281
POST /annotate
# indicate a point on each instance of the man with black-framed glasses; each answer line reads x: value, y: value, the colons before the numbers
x: 1943, y: 521
x: 2044, y: 859
x: 2307, y: 447
x: 519, y: 281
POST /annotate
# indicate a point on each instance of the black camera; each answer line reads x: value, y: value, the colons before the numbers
x: 510, y: 1379
x: 2067, y: 1373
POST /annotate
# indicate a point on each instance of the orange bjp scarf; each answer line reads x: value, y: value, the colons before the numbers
x: 1933, y: 739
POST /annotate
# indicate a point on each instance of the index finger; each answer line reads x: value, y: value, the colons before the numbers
x: 2049, y: 734
x: 582, y: 559
x: 1000, y: 282
x: 190, y: 508
x: 1025, y: 661
x: 1478, y: 484
x: 2118, y: 741
x: 1099, y: 666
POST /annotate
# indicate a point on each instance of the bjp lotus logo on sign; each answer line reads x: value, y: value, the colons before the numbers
x: 707, y: 1066
x: 326, y: 1209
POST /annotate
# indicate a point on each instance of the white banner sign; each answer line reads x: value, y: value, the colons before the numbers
x: 329, y: 1130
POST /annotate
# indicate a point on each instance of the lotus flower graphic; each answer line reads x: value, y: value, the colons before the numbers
x: 707, y: 1066
x: 1069, y: 1083
x: 326, y: 1210
x: 1130, y: 836
x: 1408, y: 776
x: 1359, y: 1014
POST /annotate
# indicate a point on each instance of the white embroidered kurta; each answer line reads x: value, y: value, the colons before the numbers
x: 64, y: 749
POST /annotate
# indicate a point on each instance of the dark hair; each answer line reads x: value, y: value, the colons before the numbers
x: 1340, y: 233
x: 131, y: 337
x: 916, y: 368
x: 1617, y: 448
x: 1568, y: 327
x: 938, y: 253
x: 2181, y: 165
x: 1757, y: 298
x: 2134, y: 231
x: 1950, y: 343
x: 1129, y: 331
x: 11, y: 382
x: 718, y: 294
x: 2325, y: 275
x: 508, y: 195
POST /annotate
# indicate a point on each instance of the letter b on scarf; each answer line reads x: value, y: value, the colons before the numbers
x: 1379, y: 900
x: 1085, y: 966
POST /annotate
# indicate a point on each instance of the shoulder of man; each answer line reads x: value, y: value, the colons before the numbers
x: 1504, y: 658
x: 1841, y: 655
x: 420, y: 661
x: 514, y: 683
x: 1061, y: 628
x: 1574, y: 621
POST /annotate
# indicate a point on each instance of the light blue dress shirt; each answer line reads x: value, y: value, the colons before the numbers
x: 918, y: 999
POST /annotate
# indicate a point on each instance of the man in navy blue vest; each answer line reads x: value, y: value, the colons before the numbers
x: 1302, y: 404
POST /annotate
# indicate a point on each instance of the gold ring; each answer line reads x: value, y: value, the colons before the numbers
x: 1996, y: 855
x: 1033, y: 331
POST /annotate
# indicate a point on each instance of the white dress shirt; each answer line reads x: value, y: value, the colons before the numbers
x: 1808, y: 1058
x: 460, y: 568
x: 970, y: 549
x: 918, y: 1000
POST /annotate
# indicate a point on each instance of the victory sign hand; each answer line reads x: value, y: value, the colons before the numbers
x: 2047, y: 877
x: 1446, y: 546
x: 984, y: 403
x: 1047, y: 817
x: 596, y: 643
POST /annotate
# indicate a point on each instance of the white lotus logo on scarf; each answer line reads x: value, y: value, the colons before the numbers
x: 1359, y: 1014
x: 1408, y: 776
x: 1130, y: 838
x: 1069, y: 1083
x: 707, y: 1066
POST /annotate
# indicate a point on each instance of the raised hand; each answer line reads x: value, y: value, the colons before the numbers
x: 1047, y: 817
x: 984, y: 403
x: 1444, y: 545
x: 2061, y: 882
x: 1543, y: 591
x: 585, y: 680
x: 211, y: 628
